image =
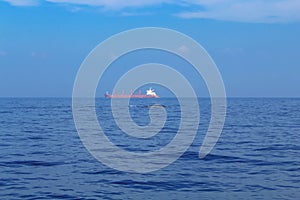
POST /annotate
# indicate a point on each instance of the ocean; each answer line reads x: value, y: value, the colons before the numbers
x: 256, y: 157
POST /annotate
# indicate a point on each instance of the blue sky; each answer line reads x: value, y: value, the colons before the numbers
x: 255, y: 44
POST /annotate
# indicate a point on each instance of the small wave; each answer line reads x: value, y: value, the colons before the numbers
x: 31, y: 163
x: 102, y: 172
x: 148, y: 106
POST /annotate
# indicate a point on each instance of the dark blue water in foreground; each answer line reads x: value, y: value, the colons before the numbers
x: 257, y: 156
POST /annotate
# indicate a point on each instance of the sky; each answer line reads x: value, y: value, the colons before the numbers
x: 254, y: 43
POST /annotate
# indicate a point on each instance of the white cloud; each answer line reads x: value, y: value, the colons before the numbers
x: 134, y: 14
x: 37, y: 55
x: 22, y: 2
x: 110, y: 4
x: 266, y: 11
x: 183, y: 49
x: 113, y: 4
x: 3, y: 53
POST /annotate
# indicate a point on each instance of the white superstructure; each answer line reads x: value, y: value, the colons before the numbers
x: 150, y: 92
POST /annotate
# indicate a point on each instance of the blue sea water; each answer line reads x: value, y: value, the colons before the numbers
x: 256, y: 157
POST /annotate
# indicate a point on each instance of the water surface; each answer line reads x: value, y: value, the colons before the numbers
x: 257, y: 156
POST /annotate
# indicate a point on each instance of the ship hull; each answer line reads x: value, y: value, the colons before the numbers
x: 135, y: 96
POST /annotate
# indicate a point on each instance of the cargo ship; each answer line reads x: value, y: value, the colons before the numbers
x: 149, y: 94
